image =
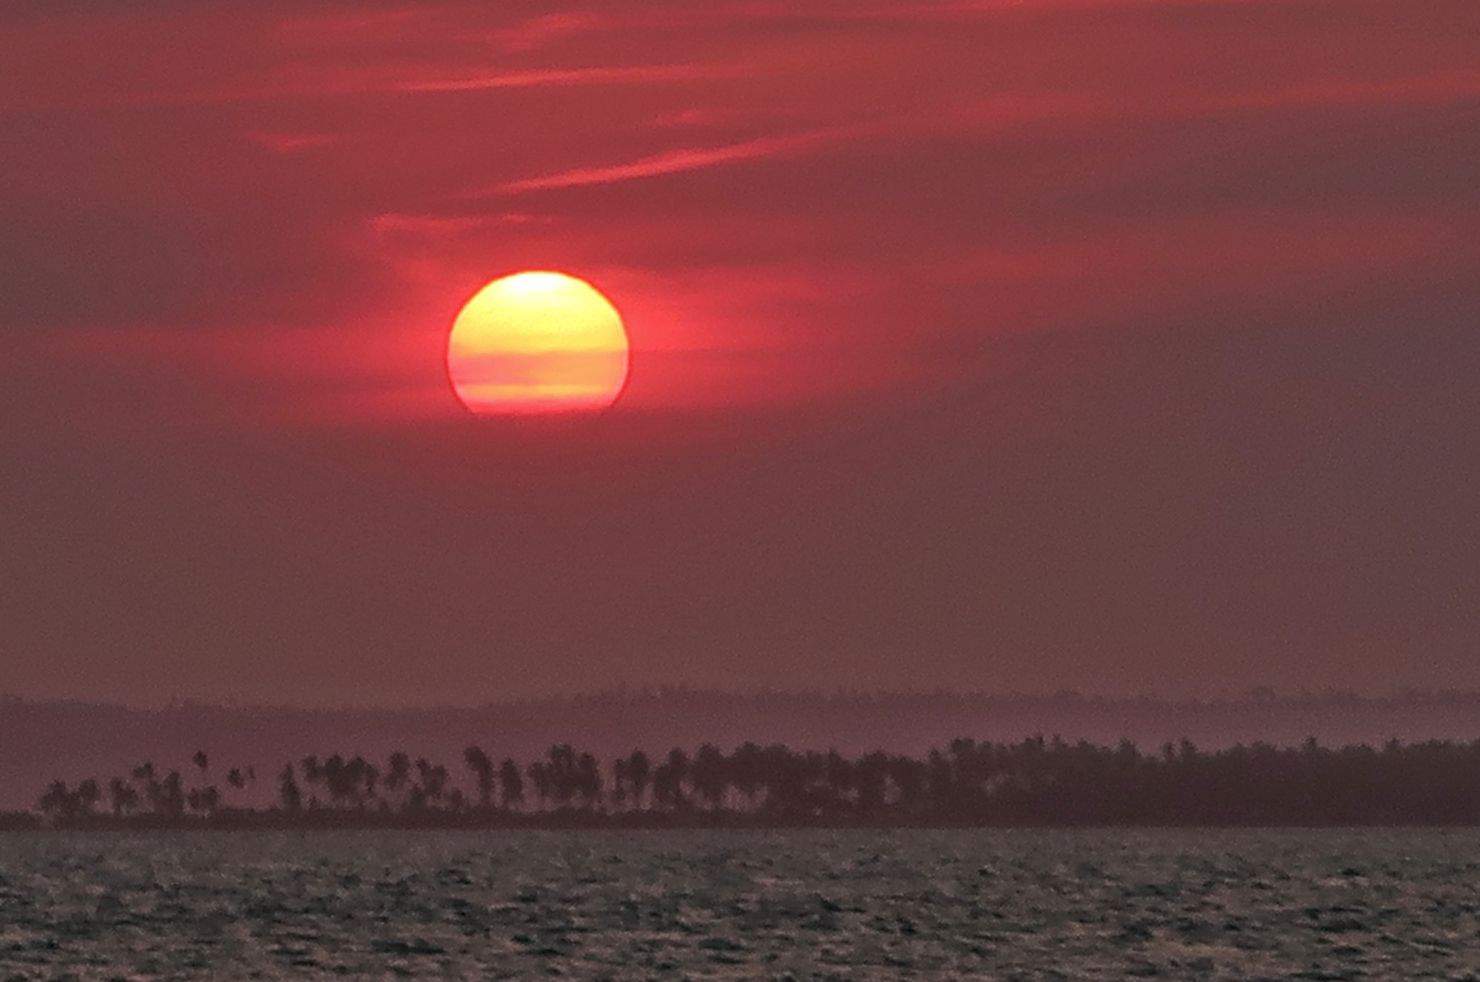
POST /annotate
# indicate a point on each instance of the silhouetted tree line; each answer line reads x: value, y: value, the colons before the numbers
x: 1033, y: 782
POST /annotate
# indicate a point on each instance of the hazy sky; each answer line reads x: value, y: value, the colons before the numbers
x: 1120, y: 345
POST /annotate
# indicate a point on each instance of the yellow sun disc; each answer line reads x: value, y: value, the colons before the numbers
x: 536, y: 343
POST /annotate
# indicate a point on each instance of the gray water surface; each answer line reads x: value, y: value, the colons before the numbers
x: 854, y: 904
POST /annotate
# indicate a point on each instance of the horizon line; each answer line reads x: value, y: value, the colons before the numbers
x: 1251, y: 695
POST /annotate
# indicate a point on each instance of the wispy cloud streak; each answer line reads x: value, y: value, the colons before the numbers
x: 564, y: 76
x: 678, y: 161
x: 332, y: 85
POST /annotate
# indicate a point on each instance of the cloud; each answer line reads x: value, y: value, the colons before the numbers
x: 546, y: 29
x: 442, y: 226
x: 679, y: 161
x: 558, y: 77
x: 292, y: 142
x: 336, y: 84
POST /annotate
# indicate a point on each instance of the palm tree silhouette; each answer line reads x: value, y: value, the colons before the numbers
x: 710, y: 775
x: 539, y: 776
x: 747, y: 771
x: 312, y: 773
x: 88, y: 795
x: 619, y: 783
x: 511, y: 783
x: 639, y: 773
x: 123, y: 797
x: 172, y: 796
x: 144, y: 775
x: 562, y: 772
x: 288, y: 792
x: 431, y: 781
x: 58, y: 802
x: 203, y: 801
x: 398, y: 772
x: 588, y: 780
x: 1034, y: 781
x: 336, y: 777
x: 482, y: 767
x: 668, y: 780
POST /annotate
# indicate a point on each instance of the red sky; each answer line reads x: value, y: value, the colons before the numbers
x: 1125, y: 345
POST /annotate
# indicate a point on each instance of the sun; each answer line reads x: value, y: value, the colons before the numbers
x: 537, y: 343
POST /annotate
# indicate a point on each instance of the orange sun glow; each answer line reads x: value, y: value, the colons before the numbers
x: 537, y: 343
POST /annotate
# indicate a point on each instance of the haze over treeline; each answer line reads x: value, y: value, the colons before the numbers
x: 40, y: 741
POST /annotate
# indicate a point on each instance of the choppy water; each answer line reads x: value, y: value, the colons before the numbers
x: 943, y: 904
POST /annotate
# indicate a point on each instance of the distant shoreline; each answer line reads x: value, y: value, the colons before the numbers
x: 47, y: 741
x: 1034, y: 783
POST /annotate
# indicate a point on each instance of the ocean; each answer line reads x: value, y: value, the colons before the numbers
x: 1030, y: 904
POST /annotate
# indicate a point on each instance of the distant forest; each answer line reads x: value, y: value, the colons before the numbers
x: 1033, y: 782
x: 40, y: 740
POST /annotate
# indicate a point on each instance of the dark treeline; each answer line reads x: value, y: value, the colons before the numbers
x: 77, y: 739
x: 1029, y: 783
